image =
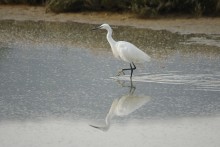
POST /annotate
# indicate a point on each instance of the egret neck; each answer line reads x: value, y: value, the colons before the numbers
x: 111, y: 41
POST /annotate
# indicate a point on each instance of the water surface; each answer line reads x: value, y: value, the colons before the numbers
x: 57, y: 79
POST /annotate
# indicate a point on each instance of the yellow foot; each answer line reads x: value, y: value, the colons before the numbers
x: 120, y: 72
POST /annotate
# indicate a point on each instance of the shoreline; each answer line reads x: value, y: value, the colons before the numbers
x: 204, y: 25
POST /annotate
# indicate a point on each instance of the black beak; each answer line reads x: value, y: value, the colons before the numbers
x: 96, y: 28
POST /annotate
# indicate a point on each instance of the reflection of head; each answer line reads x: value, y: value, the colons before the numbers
x: 108, y: 117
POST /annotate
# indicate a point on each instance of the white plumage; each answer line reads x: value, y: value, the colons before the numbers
x: 130, y: 53
x: 125, y: 51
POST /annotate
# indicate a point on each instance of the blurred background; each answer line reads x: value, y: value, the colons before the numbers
x: 142, y: 8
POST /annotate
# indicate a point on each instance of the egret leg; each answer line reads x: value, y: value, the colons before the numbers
x: 122, y: 71
x: 132, y: 69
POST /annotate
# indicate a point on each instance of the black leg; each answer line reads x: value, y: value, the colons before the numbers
x: 122, y: 71
x: 127, y: 68
x: 131, y: 69
x: 134, y: 66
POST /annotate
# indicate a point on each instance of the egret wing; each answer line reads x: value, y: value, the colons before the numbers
x: 130, y: 53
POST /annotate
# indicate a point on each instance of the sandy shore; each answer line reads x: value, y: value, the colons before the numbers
x: 181, y: 25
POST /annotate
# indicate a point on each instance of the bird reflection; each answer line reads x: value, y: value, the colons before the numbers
x: 123, y: 106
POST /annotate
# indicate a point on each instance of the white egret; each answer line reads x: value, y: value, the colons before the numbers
x: 125, y: 51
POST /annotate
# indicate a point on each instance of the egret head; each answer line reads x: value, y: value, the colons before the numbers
x: 103, y: 26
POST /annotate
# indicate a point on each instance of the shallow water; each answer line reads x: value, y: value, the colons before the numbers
x: 58, y: 80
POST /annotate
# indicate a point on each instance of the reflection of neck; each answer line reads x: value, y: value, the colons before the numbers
x: 110, y: 115
x: 107, y: 122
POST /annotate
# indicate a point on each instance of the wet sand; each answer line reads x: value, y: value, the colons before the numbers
x: 164, y: 133
x: 182, y: 25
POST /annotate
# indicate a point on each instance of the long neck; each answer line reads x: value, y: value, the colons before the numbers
x: 109, y: 37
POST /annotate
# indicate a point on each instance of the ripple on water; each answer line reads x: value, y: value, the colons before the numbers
x: 208, y: 82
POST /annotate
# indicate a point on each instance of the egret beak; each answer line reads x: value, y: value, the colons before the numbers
x: 96, y: 28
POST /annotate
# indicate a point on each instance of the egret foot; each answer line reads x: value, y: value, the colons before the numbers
x: 121, y: 72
